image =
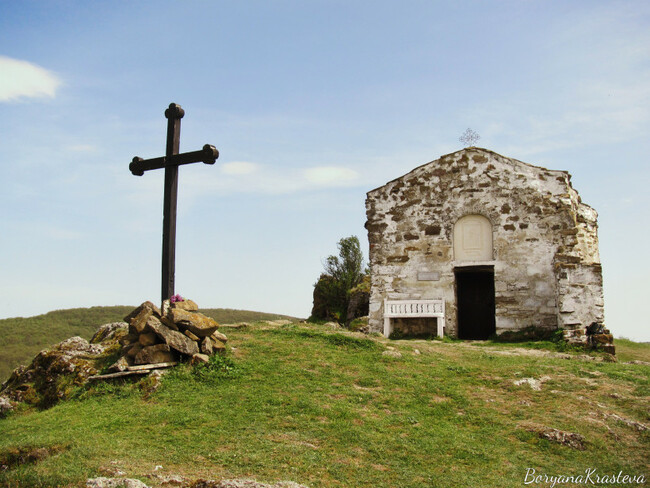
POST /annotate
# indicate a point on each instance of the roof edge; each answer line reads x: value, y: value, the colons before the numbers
x: 473, y: 148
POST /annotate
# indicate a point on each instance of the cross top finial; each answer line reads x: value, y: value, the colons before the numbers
x: 174, y: 111
x: 469, y: 137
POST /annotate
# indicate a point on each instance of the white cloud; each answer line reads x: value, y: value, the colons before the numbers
x: 21, y: 79
x: 247, y: 177
x: 239, y: 168
x: 330, y: 176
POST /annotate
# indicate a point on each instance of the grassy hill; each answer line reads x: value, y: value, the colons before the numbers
x: 329, y: 408
x: 22, y: 338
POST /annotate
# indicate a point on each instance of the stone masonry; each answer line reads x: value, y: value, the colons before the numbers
x: 477, y: 210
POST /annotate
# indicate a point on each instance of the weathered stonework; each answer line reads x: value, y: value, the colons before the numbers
x: 527, y: 228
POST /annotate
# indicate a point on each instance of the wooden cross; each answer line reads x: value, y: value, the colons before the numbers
x: 171, y: 161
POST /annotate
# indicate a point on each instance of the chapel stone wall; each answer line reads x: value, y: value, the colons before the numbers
x: 545, y: 246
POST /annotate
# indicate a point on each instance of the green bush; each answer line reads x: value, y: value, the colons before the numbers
x: 343, y: 273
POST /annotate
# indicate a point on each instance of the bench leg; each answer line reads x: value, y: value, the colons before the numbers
x: 387, y: 327
x: 439, y: 326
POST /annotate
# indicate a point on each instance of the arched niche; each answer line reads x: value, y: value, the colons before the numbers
x: 473, y: 239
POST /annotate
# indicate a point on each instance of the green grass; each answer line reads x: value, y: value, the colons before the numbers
x: 22, y: 338
x: 627, y: 350
x: 327, y: 409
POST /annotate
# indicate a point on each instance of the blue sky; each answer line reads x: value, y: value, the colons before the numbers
x: 311, y: 104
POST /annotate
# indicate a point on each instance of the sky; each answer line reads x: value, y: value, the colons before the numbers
x: 311, y: 104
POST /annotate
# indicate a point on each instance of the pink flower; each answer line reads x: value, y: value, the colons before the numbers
x: 176, y: 298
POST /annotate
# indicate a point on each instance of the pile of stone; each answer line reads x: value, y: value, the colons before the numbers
x: 177, y: 332
x: 595, y: 336
x: 600, y: 338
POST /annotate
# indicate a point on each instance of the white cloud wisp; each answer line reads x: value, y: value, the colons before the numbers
x: 22, y: 79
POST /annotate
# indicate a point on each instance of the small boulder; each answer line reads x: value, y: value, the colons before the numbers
x: 6, y: 406
x: 192, y: 336
x: 114, y: 483
x: 138, y: 323
x: 187, y: 305
x: 200, y: 358
x: 120, y: 365
x: 132, y: 350
x: 392, y: 354
x: 217, y: 345
x: 206, y: 346
x: 78, y: 346
x: 602, y: 339
x: 166, y: 321
x: 108, y: 331
x: 136, y: 311
x: 174, y: 339
x: 128, y: 339
x: 197, y: 323
x: 219, y: 336
x: 148, y: 339
x: 160, y: 353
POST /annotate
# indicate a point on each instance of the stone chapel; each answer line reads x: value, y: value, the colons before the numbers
x: 475, y: 243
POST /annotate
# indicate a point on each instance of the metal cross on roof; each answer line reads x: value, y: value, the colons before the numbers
x: 171, y: 161
x: 469, y: 138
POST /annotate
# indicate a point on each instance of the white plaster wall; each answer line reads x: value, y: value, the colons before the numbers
x: 538, y: 225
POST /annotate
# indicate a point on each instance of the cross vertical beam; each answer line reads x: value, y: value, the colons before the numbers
x: 171, y: 161
x: 174, y: 115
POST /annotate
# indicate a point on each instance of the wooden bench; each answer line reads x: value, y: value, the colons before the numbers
x: 404, y: 309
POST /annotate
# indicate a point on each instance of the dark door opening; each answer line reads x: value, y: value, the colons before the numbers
x: 475, y: 302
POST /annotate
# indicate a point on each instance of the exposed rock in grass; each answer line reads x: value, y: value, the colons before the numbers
x: 532, y: 382
x: 6, y: 406
x: 391, y: 353
x: 638, y: 426
x: 114, y: 483
x: 332, y: 325
x: 240, y: 325
x: 569, y: 439
x: 53, y: 373
x: 243, y: 483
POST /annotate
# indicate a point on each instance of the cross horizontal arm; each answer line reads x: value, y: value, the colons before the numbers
x: 207, y: 155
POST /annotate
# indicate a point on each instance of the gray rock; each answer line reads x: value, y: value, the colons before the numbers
x: 76, y: 346
x: 219, y: 336
x: 160, y: 353
x: 175, y: 340
x: 5, y: 406
x: 199, y: 324
x: 206, y: 346
x: 192, y: 336
x: 114, y: 483
x: 136, y: 311
x: 244, y: 483
x: 107, y: 331
x: 119, y: 365
x: 200, y: 359
x: 148, y: 339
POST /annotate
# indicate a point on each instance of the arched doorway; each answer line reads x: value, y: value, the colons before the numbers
x: 475, y: 303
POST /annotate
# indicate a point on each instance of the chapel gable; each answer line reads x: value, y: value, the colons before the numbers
x: 487, y: 233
